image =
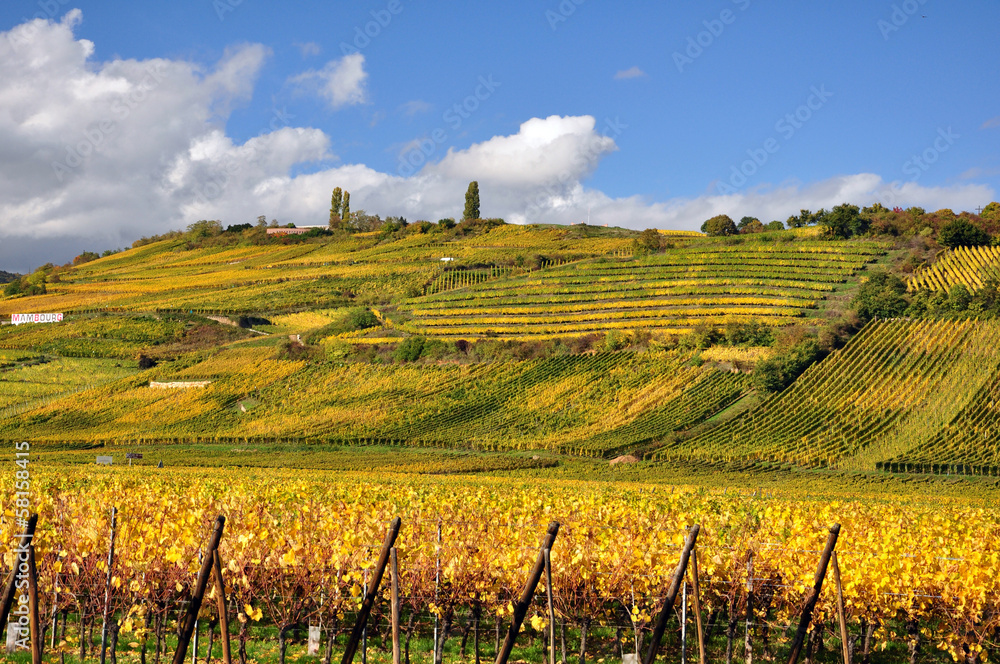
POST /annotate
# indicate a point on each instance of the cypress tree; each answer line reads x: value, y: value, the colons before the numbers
x: 336, y: 201
x: 472, y: 201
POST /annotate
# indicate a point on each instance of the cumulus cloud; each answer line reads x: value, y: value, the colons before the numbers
x: 632, y: 72
x: 97, y: 154
x: 341, y: 82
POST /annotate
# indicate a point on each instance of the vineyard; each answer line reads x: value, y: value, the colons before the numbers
x: 901, y: 391
x: 709, y: 281
x: 592, y: 405
x: 297, y: 551
x: 168, y: 276
x: 970, y: 266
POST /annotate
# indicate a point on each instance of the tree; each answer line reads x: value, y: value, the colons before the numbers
x: 753, y: 226
x: 85, y: 257
x: 844, y: 221
x: 719, y: 225
x: 776, y: 373
x: 882, y: 296
x: 446, y: 223
x: 336, y: 202
x: 345, y: 208
x: 650, y: 241
x: 410, y: 349
x: 204, y: 228
x: 961, y: 233
x: 775, y: 226
x: 959, y: 297
x: 991, y: 212
x: 472, y: 201
x: 746, y: 220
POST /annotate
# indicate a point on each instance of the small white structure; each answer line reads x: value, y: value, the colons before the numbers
x: 178, y: 384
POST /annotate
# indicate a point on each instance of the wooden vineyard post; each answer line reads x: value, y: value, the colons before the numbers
x: 668, y: 602
x: 527, y: 594
x: 107, y: 585
x: 748, y: 640
x: 220, y: 602
x: 813, y: 596
x: 394, y: 576
x: 552, y: 612
x: 371, y: 592
x: 191, y: 617
x: 8, y: 597
x: 437, y: 583
x: 697, y: 604
x: 840, y: 609
x: 34, y: 625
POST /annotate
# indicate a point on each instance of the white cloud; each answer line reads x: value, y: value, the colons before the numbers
x: 308, y: 49
x: 545, y: 152
x: 632, y: 72
x: 341, y: 82
x: 96, y: 154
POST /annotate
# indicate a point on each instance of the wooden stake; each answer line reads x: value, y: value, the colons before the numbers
x: 34, y: 624
x: 394, y: 577
x: 748, y: 640
x: 527, y: 594
x: 371, y: 592
x: 220, y: 603
x: 697, y: 605
x: 107, y: 585
x: 552, y: 612
x: 813, y: 596
x: 840, y: 609
x: 191, y: 617
x: 668, y: 602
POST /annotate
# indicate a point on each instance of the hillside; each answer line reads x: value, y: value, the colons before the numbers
x: 529, y: 339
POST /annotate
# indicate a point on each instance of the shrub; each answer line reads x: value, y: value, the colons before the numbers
x: 961, y: 233
x: 409, y: 350
x: 881, y: 296
x: 361, y: 319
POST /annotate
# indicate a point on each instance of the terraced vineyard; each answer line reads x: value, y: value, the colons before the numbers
x: 169, y: 276
x: 971, y: 266
x: 593, y: 405
x: 900, y: 390
x: 703, y: 281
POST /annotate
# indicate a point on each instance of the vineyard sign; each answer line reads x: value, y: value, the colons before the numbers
x: 105, y: 460
x: 21, y: 319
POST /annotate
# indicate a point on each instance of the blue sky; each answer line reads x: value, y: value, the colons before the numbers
x: 682, y: 97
